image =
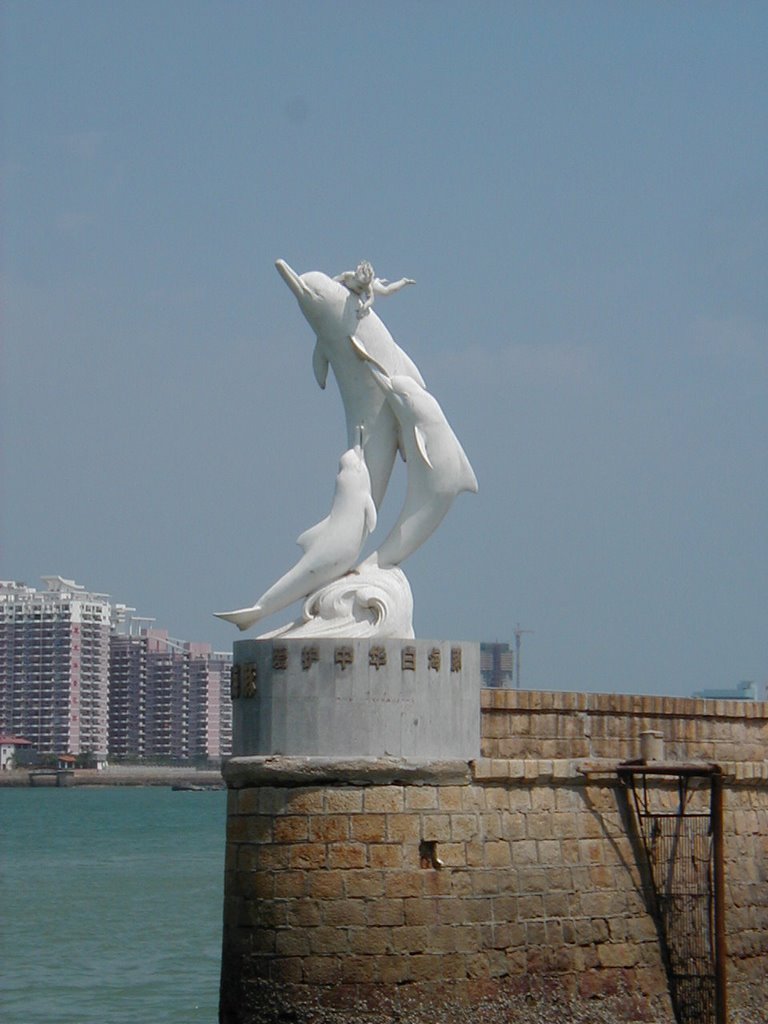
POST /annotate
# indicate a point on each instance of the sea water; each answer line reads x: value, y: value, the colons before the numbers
x: 110, y: 905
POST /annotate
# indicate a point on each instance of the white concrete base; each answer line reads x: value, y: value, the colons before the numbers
x: 356, y: 698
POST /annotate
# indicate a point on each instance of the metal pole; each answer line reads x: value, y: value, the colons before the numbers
x: 518, y: 640
x: 721, y: 953
x: 517, y: 657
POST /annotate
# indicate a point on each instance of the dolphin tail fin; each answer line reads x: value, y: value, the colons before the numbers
x: 243, y: 618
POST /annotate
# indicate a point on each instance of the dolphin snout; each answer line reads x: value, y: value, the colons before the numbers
x: 351, y: 457
x: 291, y: 278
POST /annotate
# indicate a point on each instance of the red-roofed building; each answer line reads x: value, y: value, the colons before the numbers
x: 9, y: 745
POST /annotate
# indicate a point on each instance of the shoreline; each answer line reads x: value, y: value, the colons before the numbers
x: 122, y: 775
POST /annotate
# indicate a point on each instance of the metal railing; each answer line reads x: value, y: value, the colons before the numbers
x: 679, y: 818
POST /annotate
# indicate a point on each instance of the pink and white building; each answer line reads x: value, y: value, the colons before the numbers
x: 168, y: 698
x: 79, y: 675
x: 54, y: 665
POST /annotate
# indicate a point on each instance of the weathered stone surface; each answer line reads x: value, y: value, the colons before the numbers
x: 243, y: 772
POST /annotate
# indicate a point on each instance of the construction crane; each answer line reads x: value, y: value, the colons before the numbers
x: 518, y: 641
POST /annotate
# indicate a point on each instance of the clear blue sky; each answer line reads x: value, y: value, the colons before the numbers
x: 580, y: 191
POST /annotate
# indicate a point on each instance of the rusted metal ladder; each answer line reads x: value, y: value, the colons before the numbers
x: 682, y: 838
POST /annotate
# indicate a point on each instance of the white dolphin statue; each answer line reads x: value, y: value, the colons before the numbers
x: 331, y: 547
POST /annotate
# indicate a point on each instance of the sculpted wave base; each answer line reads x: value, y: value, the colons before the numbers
x: 367, y: 602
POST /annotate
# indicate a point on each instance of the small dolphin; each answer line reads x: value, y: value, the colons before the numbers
x: 438, y: 468
x: 331, y: 310
x: 331, y: 547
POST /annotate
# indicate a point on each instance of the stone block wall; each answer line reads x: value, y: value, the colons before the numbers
x: 519, y: 724
x: 380, y: 890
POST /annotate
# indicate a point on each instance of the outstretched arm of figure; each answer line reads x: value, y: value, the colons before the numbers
x: 384, y: 287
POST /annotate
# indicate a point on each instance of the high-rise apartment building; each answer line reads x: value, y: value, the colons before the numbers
x: 168, y: 698
x: 71, y: 683
x: 54, y: 665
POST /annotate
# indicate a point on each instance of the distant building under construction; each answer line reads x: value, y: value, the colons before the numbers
x: 497, y: 663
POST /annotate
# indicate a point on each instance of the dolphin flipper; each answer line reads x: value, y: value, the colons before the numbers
x: 320, y: 365
x: 421, y: 444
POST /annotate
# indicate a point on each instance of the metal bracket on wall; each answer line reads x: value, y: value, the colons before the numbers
x: 679, y: 819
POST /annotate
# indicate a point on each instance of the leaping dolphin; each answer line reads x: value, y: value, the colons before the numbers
x: 331, y: 547
x: 438, y: 468
x: 331, y: 310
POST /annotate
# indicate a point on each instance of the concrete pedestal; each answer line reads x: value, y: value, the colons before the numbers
x: 416, y: 699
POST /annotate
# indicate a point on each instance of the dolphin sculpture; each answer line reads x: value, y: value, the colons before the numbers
x: 331, y: 547
x: 438, y: 468
x: 331, y: 310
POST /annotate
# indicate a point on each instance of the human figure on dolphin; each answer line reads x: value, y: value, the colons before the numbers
x: 362, y: 281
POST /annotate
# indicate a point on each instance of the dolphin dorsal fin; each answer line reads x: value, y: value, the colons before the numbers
x: 305, y: 539
x: 421, y: 444
x: 320, y: 365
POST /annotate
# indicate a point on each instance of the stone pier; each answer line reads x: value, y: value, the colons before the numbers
x: 389, y: 859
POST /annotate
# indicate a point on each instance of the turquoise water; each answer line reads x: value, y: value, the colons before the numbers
x: 110, y: 905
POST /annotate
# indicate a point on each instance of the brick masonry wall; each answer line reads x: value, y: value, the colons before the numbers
x: 336, y: 907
